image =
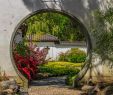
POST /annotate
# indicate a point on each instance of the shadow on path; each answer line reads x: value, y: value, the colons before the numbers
x: 52, y: 86
x: 52, y: 81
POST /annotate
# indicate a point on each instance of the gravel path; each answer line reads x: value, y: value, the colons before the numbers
x: 52, y: 90
x: 51, y: 86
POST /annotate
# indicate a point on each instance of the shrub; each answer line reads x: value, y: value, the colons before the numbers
x: 74, y: 55
x: 62, y: 57
x: 76, y: 58
x: 27, y: 59
x: 59, y: 68
x: 22, y: 49
x: 70, y: 79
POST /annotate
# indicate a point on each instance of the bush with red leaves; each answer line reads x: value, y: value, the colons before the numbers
x: 27, y: 58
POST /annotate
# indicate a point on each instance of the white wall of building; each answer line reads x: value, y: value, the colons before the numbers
x: 13, y: 11
x: 55, y: 51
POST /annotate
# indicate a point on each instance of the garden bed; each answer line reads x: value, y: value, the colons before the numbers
x: 54, y: 69
x: 60, y: 68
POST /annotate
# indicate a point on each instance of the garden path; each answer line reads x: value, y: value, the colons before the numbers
x: 51, y: 86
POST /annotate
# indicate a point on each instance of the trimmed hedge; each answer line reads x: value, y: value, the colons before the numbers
x: 60, y: 68
x: 74, y: 55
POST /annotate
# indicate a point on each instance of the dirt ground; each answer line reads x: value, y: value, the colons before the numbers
x: 52, y: 90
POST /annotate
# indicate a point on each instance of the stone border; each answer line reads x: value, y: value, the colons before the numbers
x: 83, y: 30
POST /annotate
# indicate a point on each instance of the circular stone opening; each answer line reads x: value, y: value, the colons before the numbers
x: 49, y: 37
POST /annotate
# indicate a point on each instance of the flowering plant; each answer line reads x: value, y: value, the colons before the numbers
x: 27, y: 59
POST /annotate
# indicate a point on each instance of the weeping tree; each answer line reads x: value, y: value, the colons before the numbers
x: 102, y: 30
x: 55, y: 24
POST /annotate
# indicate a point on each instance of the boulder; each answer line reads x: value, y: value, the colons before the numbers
x: 12, y: 82
x: 9, y: 91
x: 10, y: 86
x: 87, y: 88
x: 5, y: 84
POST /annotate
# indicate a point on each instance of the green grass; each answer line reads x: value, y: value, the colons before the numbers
x: 60, y: 68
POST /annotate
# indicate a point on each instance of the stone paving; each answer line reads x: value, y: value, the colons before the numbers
x: 52, y: 86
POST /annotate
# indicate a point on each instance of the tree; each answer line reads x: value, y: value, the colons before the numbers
x: 102, y: 31
x: 55, y: 24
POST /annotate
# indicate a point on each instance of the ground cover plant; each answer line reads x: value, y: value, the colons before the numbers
x: 60, y: 68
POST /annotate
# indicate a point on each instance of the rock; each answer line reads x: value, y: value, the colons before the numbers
x: 5, y: 84
x: 12, y: 82
x: 90, y: 82
x: 12, y: 87
x: 108, y: 90
x: 97, y: 89
x: 17, y: 88
x: 87, y: 88
x: 9, y: 91
x: 9, y: 87
x: 3, y: 93
x: 91, y: 90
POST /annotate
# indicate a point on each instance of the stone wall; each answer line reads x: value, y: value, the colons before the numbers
x: 13, y: 11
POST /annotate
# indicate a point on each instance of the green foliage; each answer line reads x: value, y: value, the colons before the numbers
x: 74, y: 55
x: 22, y: 49
x: 102, y: 30
x: 62, y: 56
x: 60, y: 68
x: 77, y: 58
x: 70, y: 79
x: 55, y: 24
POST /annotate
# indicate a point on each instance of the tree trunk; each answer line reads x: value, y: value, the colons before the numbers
x: 82, y: 73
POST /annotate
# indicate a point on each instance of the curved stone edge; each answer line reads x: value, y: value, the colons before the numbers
x: 12, y: 12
